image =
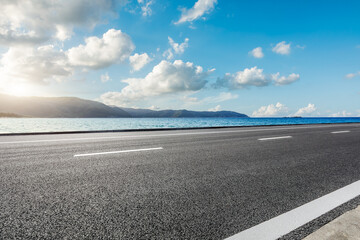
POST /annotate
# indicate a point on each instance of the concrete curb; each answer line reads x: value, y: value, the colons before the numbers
x: 168, y: 129
x: 347, y: 226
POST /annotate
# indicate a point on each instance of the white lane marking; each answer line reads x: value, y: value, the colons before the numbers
x: 289, y: 221
x: 273, y: 138
x: 122, y: 151
x: 340, y: 132
x: 165, y: 135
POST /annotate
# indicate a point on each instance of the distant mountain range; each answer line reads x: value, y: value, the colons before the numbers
x: 71, y: 107
x: 139, y: 113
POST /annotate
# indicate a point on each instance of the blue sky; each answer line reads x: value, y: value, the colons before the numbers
x: 261, y: 58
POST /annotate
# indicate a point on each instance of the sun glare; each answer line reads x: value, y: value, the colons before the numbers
x: 20, y: 90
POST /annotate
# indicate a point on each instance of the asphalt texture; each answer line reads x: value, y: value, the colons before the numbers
x: 203, y: 184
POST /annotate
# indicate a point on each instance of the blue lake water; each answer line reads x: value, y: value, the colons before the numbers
x: 25, y: 125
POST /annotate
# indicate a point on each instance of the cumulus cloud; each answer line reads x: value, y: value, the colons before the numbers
x: 200, y: 8
x: 10, y: 37
x: 165, y: 78
x: 105, y: 78
x: 25, y: 22
x: 248, y: 77
x: 138, y: 61
x: 215, y: 109
x: 310, y: 108
x: 176, y: 48
x: 282, y: 48
x: 36, y: 65
x: 114, y: 47
x: 283, y: 80
x: 253, y: 77
x: 47, y: 63
x: 271, y: 110
x: 257, y: 52
x: 179, y: 48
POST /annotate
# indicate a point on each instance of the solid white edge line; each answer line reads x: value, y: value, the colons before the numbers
x: 122, y: 151
x: 340, y: 132
x: 273, y: 138
x: 165, y: 135
x: 289, y: 221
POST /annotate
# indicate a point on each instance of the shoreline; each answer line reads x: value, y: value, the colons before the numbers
x: 165, y: 129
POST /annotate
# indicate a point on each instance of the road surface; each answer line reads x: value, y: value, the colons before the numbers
x: 179, y: 184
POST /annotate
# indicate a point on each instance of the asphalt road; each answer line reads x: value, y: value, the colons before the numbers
x: 184, y: 184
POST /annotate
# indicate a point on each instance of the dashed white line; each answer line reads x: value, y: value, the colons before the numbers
x: 289, y: 221
x: 274, y: 138
x: 122, y: 151
x: 340, y: 132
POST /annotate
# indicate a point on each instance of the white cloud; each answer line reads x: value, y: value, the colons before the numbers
x: 176, y: 48
x: 35, y: 65
x: 46, y: 63
x: 215, y: 109
x: 198, y: 10
x: 222, y: 97
x: 63, y: 33
x: 105, y: 78
x: 25, y: 22
x: 168, y: 54
x: 138, y: 61
x: 155, y: 108
x: 310, y: 108
x: 282, y: 48
x: 282, y: 80
x: 165, y: 78
x: 113, y: 99
x: 352, y: 75
x: 341, y: 114
x: 190, y: 100
x: 10, y: 37
x: 253, y: 77
x: 271, y: 110
x: 257, y: 52
x: 114, y: 47
x: 248, y: 77
x: 301, y: 47
x: 179, y: 48
x: 145, y: 7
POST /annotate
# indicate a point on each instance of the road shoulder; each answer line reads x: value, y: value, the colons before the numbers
x: 347, y: 226
x: 316, y: 224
